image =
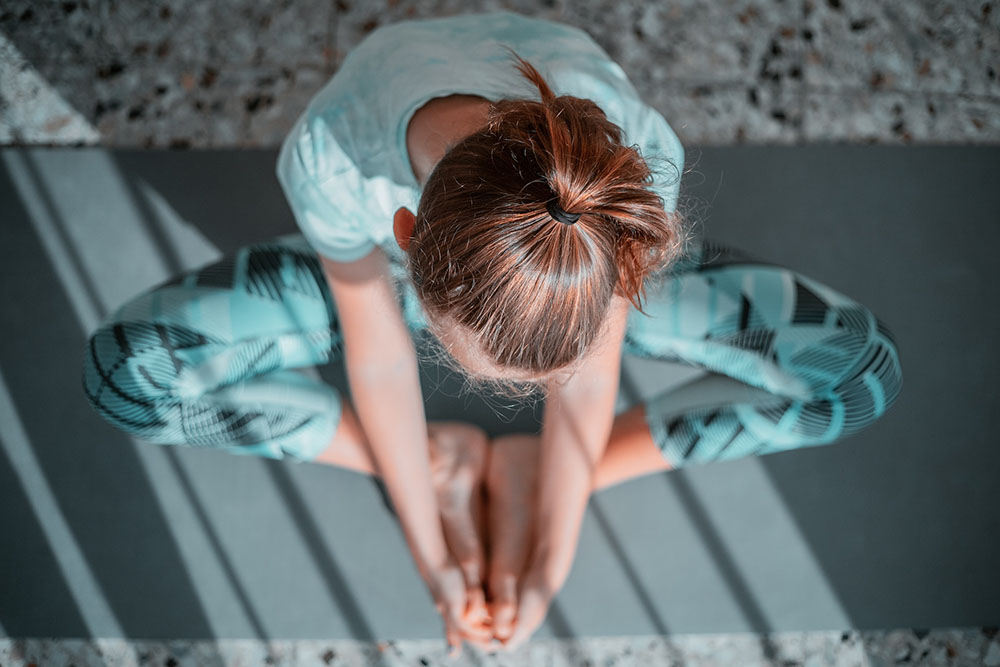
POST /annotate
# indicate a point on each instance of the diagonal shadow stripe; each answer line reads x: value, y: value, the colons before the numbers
x: 556, y: 619
x: 326, y: 563
x: 751, y: 611
x: 628, y: 568
x: 148, y: 219
x: 33, y: 550
x: 220, y: 551
x: 110, y: 569
x: 638, y: 587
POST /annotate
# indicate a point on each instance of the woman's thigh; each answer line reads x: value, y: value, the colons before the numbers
x: 826, y: 364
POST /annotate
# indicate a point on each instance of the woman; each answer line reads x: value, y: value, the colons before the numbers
x: 537, y: 240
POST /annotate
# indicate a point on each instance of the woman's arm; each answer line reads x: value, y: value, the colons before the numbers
x: 575, y: 431
x: 383, y: 375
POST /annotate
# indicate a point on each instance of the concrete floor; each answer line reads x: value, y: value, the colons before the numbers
x: 894, y: 527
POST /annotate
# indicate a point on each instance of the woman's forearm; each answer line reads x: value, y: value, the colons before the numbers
x: 389, y: 404
x: 575, y: 431
x: 381, y: 364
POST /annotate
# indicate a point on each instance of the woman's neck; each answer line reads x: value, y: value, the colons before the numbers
x: 438, y: 125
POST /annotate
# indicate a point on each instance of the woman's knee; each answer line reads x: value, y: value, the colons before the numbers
x: 121, y: 390
x: 873, y: 383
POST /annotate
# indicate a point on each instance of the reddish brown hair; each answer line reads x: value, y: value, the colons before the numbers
x: 486, y: 254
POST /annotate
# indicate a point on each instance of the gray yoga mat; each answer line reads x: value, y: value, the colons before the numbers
x: 893, y: 527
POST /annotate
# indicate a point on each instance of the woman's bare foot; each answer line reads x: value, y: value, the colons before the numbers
x: 512, y: 488
x: 458, y: 457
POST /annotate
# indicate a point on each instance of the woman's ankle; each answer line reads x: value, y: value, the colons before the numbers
x: 631, y: 451
x: 348, y: 448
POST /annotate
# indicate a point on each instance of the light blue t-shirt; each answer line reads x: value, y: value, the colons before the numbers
x: 344, y: 166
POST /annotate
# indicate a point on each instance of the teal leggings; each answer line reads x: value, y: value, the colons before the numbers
x: 205, y: 358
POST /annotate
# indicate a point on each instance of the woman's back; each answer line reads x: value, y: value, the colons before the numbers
x: 344, y: 166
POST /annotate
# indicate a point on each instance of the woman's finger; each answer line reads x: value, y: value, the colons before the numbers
x: 459, y: 631
x: 523, y: 629
x: 504, y: 605
x: 450, y: 605
x: 530, y: 614
x: 476, y: 610
x: 454, y: 644
x: 452, y: 637
x: 476, y: 633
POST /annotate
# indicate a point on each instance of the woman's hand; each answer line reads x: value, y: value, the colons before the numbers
x: 533, y: 598
x: 575, y: 428
x: 512, y: 485
x: 458, y: 455
x: 447, y: 585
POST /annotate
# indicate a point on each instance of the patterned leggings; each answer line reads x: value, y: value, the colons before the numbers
x: 205, y: 358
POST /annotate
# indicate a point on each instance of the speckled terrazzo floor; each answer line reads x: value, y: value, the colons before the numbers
x: 183, y: 73
x: 942, y: 648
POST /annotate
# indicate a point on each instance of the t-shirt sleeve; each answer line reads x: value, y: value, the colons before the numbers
x: 662, y: 151
x: 319, y: 182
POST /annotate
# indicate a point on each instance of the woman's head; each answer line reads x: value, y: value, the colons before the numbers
x: 516, y: 290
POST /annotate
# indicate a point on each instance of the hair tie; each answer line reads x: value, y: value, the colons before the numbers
x: 559, y: 214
